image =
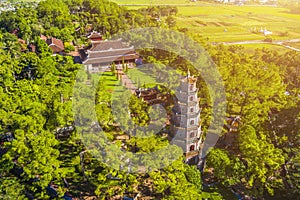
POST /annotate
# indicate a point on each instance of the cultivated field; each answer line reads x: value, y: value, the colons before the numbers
x: 239, y: 23
x: 226, y: 23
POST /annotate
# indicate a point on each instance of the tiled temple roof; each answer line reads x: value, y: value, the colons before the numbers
x: 110, y: 51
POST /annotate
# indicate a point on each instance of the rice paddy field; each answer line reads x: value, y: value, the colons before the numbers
x: 239, y: 23
x: 232, y: 23
x: 229, y: 23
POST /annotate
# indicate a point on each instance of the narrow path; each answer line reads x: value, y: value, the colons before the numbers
x: 278, y: 42
x: 127, y: 82
x: 292, y: 48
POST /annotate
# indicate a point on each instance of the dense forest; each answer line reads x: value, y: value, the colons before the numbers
x: 42, y: 156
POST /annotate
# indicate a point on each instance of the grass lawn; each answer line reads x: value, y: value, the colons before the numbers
x: 141, y: 77
x: 112, y: 84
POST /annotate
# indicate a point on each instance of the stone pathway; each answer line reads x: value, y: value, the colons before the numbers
x: 127, y: 82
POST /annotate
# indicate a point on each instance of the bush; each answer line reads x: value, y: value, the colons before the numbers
x: 282, y: 34
x: 268, y: 40
x: 69, y: 47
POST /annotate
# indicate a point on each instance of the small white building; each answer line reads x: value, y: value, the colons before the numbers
x: 265, y: 31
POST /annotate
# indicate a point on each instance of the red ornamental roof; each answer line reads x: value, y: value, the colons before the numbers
x: 21, y: 41
x: 190, y: 79
x: 55, y: 44
x: 15, y: 31
x: 95, y: 36
x: 32, y: 47
x: 44, y: 37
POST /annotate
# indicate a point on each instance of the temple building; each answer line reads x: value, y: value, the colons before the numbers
x: 56, y: 45
x: 103, y: 53
x: 185, y: 121
x: 152, y: 95
x: 148, y: 94
x: 95, y: 37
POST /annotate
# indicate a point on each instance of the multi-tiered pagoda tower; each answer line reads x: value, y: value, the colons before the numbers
x: 185, y: 126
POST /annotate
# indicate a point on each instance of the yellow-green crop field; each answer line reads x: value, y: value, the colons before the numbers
x: 229, y: 23
x: 238, y: 23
